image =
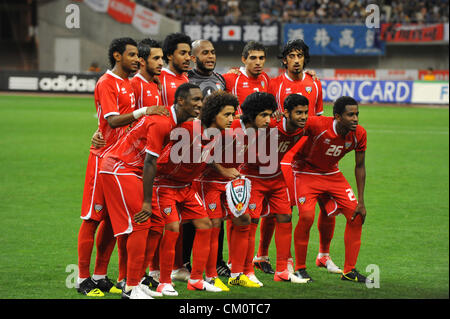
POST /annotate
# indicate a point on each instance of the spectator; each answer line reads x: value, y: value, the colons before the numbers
x: 301, y: 11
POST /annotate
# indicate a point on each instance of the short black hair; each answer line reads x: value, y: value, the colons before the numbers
x: 119, y: 45
x: 214, y: 103
x: 171, y: 42
x: 294, y: 100
x: 145, y: 46
x: 297, y: 44
x: 253, y: 46
x: 183, y: 90
x: 256, y: 103
x: 341, y: 103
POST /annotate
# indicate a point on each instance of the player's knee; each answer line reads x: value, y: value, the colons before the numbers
x: 202, y: 223
x: 242, y: 220
x: 306, y: 218
x: 216, y: 222
x: 173, y: 227
x: 284, y: 218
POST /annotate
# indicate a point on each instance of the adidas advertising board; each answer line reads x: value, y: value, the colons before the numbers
x: 48, y: 82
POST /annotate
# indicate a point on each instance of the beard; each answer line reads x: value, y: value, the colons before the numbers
x: 203, y: 69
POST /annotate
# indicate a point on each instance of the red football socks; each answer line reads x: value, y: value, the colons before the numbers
x: 86, y: 237
x: 200, y: 252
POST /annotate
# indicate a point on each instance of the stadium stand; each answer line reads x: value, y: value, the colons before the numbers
x: 296, y: 11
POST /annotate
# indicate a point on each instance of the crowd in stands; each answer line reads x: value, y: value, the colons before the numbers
x: 299, y: 11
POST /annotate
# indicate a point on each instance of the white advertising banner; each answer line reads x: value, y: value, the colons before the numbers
x: 146, y: 20
x: 430, y: 92
x: 98, y: 5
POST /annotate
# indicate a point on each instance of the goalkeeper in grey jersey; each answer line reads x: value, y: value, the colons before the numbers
x: 209, y: 81
x: 203, y: 74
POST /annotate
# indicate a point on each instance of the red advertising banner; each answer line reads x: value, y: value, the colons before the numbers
x: 412, y: 33
x: 121, y: 10
x: 355, y: 73
x: 439, y: 75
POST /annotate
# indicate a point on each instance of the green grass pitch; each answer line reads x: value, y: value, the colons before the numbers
x: 44, y: 148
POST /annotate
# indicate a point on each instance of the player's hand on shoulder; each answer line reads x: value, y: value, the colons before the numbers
x: 313, y: 74
x: 277, y: 115
x: 97, y: 140
x: 157, y: 110
x: 233, y: 71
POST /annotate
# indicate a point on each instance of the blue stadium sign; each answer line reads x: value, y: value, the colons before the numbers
x: 324, y: 39
x: 234, y: 33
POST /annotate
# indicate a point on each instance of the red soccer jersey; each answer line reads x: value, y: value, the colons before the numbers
x: 181, y: 160
x: 230, y: 153
x: 243, y: 85
x: 276, y: 148
x: 149, y: 135
x: 324, y: 147
x: 147, y: 93
x: 113, y: 96
x: 169, y: 84
x: 282, y: 86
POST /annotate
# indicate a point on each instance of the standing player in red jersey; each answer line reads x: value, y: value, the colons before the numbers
x: 124, y: 176
x: 151, y: 63
x: 295, y: 57
x: 317, y: 173
x: 116, y: 109
x: 250, y: 78
x: 177, y: 54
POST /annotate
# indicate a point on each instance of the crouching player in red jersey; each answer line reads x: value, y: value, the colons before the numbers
x: 268, y: 182
x: 317, y: 173
x: 212, y: 188
x: 121, y: 174
x: 169, y: 196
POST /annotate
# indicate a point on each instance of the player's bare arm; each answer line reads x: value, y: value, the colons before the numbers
x: 125, y: 119
x: 149, y: 173
x: 230, y: 172
x: 360, y: 175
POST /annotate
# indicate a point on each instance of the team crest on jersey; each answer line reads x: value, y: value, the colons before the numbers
x: 98, y: 207
x: 173, y: 85
x: 149, y: 93
x: 167, y: 210
x: 302, y: 200
x: 288, y: 90
x: 348, y: 144
x: 263, y: 84
x: 308, y: 89
x: 327, y: 141
x: 124, y: 91
x: 212, y: 206
x: 245, y: 85
x: 252, y: 206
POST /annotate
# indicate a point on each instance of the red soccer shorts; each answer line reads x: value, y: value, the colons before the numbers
x: 93, y: 204
x: 271, y: 190
x: 214, y: 198
x: 124, y: 196
x: 174, y: 204
x: 310, y: 187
